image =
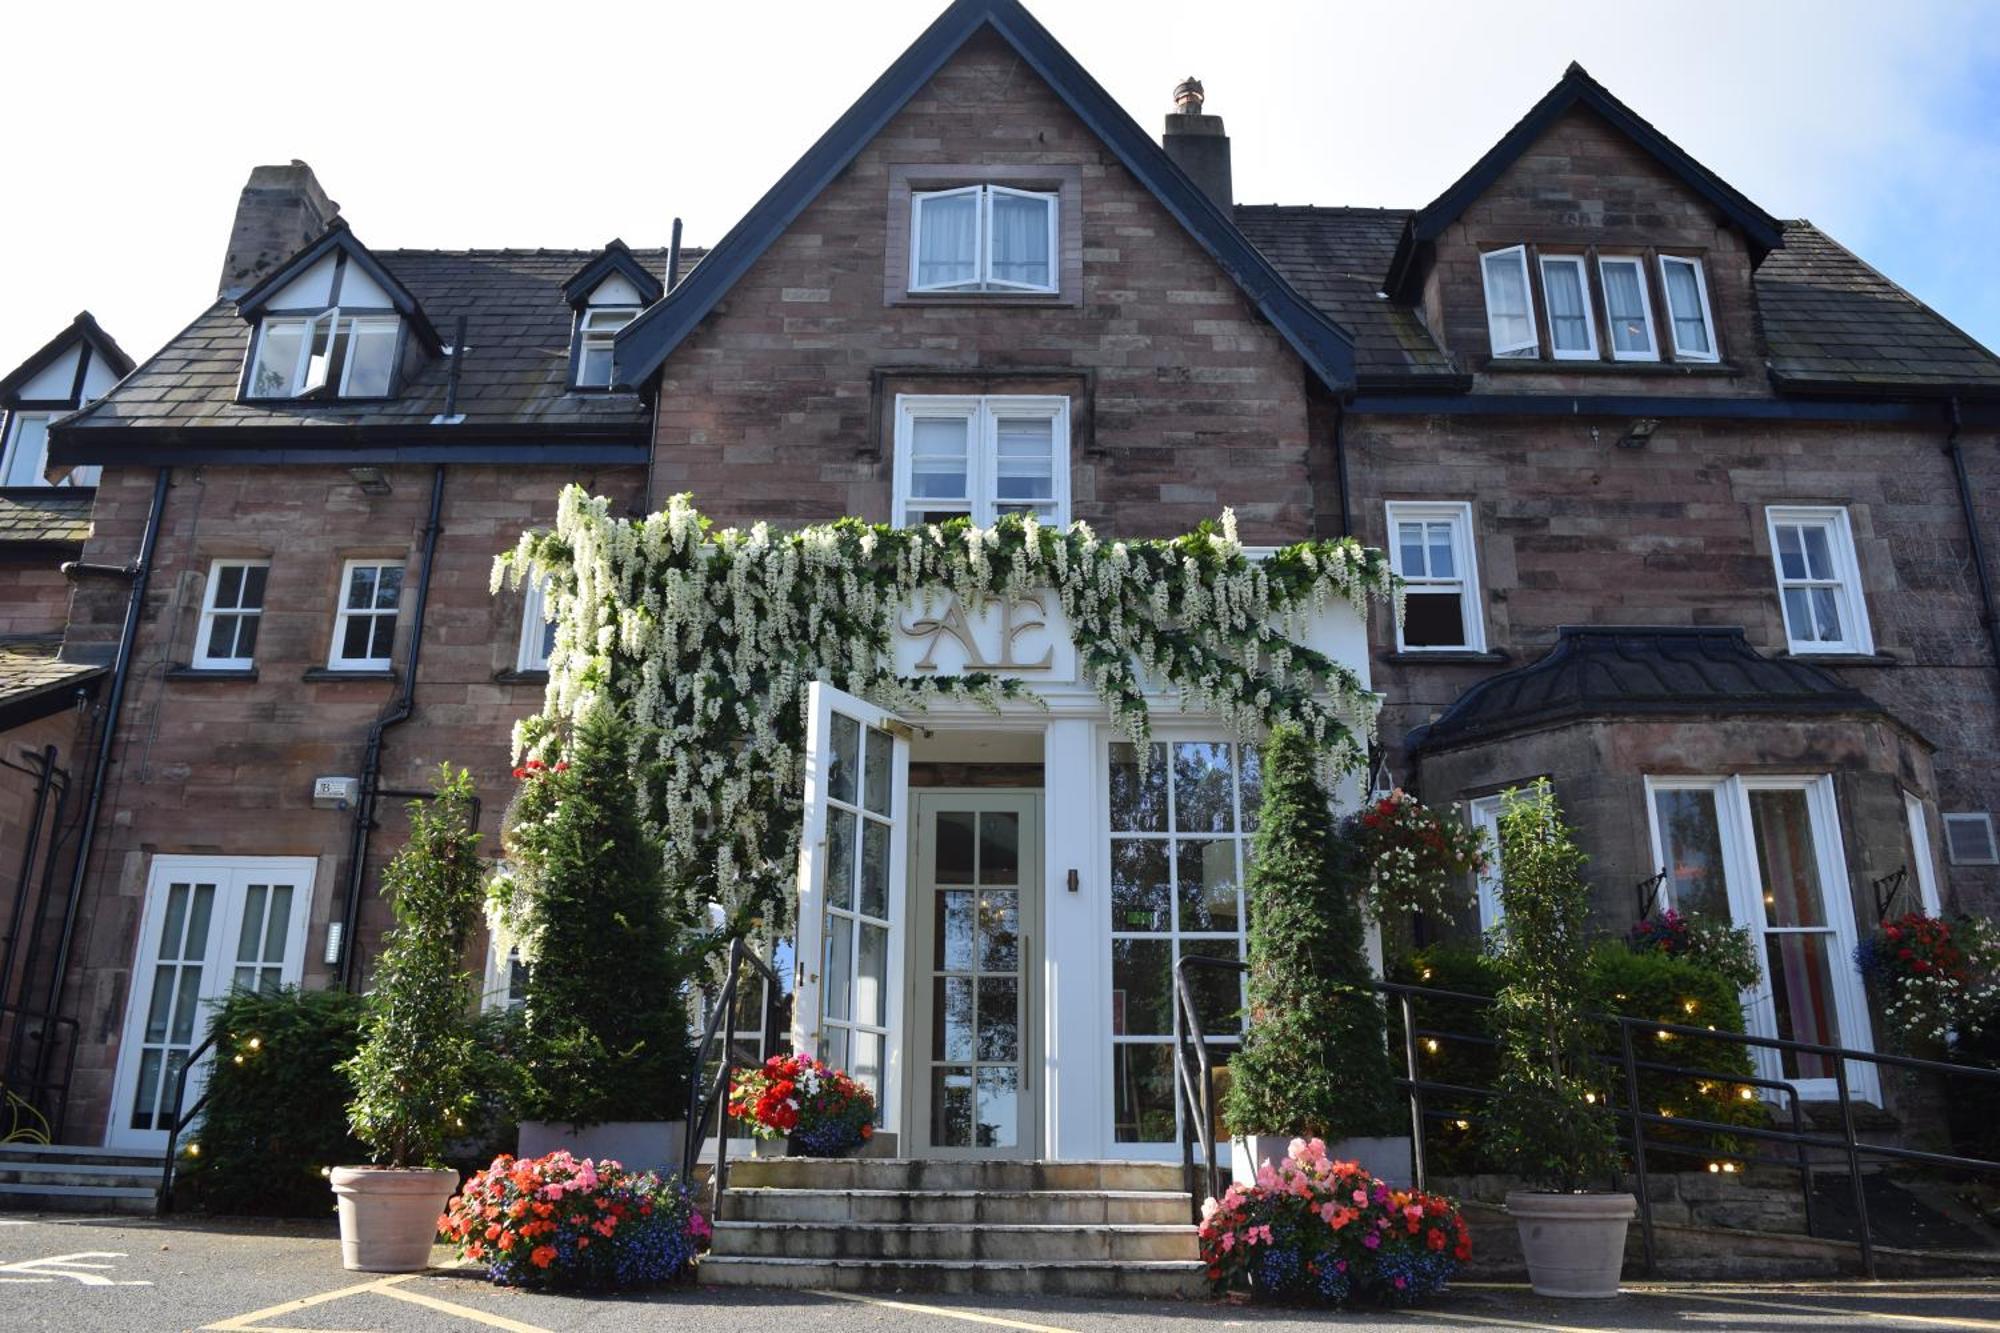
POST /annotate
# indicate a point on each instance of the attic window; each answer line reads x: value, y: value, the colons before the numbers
x: 1510, y: 316
x: 596, y: 326
x: 983, y: 238
x: 1687, y: 308
x: 330, y: 354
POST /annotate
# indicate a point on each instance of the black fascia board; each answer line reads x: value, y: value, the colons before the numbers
x: 647, y: 341
x: 617, y: 258
x: 171, y: 445
x: 1576, y: 88
x: 85, y: 329
x: 1880, y: 411
x: 338, y: 236
x: 42, y: 701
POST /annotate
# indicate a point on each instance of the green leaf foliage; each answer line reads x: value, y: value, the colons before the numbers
x: 604, y: 1021
x: 1313, y: 1061
x: 413, y: 1078
x: 276, y: 1114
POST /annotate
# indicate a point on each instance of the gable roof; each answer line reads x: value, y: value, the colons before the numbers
x: 338, y: 237
x: 1321, y: 343
x: 613, y: 258
x: 84, y: 328
x: 1577, y: 88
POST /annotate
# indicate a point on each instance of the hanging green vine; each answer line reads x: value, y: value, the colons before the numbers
x: 709, y: 639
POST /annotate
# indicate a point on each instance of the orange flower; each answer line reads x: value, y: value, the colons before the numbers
x: 543, y: 1256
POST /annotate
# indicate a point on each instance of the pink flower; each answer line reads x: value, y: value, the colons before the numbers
x: 1361, y: 1198
x: 1228, y: 1241
x: 1373, y: 1240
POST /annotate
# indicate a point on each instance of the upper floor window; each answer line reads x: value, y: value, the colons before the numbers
x: 538, y: 632
x: 25, y: 459
x: 231, y: 613
x: 596, y: 326
x: 1687, y: 308
x: 364, y: 628
x: 1430, y: 546
x: 1510, y: 315
x: 1566, y: 291
x: 983, y: 238
x: 1819, y: 580
x: 981, y: 457
x: 330, y: 354
x: 1626, y: 310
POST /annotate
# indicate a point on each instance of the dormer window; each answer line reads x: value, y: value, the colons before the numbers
x: 1633, y: 328
x: 983, y: 238
x: 1687, y: 308
x: 331, y: 354
x: 596, y: 326
x: 1510, y: 315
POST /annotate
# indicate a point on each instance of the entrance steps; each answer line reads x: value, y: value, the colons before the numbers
x: 1003, y: 1228
x: 65, y: 1178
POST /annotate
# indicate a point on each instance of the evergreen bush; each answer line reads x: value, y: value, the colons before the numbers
x: 1314, y: 1062
x: 414, y: 1076
x: 604, y: 1019
x: 276, y: 1116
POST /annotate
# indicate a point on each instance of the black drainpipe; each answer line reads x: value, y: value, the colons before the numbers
x: 1956, y: 453
x: 1340, y: 466
x: 48, y: 778
x: 371, y: 763
x: 140, y: 570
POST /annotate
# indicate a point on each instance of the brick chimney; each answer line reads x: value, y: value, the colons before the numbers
x: 281, y: 209
x: 1198, y: 146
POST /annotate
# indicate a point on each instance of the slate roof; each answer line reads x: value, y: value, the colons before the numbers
x: 1639, y: 670
x: 45, y: 514
x: 33, y: 683
x: 1834, y: 322
x: 515, y: 373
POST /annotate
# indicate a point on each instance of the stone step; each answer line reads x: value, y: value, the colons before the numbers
x: 1007, y: 1243
x: 77, y: 1198
x: 854, y: 1173
x: 1156, y: 1279
x: 963, y: 1207
x: 38, y: 1154
x: 78, y: 1173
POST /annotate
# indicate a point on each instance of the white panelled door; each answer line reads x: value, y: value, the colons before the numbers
x: 852, y: 849
x: 212, y: 923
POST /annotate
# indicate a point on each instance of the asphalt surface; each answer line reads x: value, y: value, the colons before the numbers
x: 285, y: 1277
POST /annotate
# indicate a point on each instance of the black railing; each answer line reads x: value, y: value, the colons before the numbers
x: 1195, y: 1067
x: 178, y: 1120
x: 713, y: 1100
x: 38, y: 1046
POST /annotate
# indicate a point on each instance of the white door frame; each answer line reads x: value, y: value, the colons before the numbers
x: 228, y: 873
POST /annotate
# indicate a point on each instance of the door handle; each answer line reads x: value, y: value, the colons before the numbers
x: 1027, y: 1028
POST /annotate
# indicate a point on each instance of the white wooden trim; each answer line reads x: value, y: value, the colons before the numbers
x: 528, y: 654
x: 1714, y: 352
x: 917, y: 201
x: 1472, y: 606
x: 200, y: 658
x: 1575, y: 263
x: 1860, y: 638
x: 342, y: 613
x: 1051, y: 206
x: 1924, y: 859
x: 1483, y: 812
x: 1519, y: 256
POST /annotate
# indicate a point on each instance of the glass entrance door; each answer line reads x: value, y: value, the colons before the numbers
x: 977, y: 896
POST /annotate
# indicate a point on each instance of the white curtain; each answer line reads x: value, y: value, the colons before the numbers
x: 1569, y: 326
x: 947, y: 239
x: 1684, y: 300
x: 1626, y: 305
x: 1021, y: 240
x: 1507, y: 303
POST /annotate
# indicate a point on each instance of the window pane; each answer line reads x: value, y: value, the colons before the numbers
x: 839, y: 970
x: 874, y: 899
x: 1434, y: 620
x: 1442, y: 565
x: 1791, y: 551
x: 840, y: 859
x: 1507, y: 302
x: 1139, y: 793
x: 999, y: 847
x: 1205, y: 872
x: 1142, y: 1084
x: 1625, y: 306
x: 1218, y: 991
x: 947, y: 239
x: 844, y: 769
x: 277, y: 358
x: 29, y: 457
x: 951, y: 1107
x: 1781, y: 825
x: 1801, y: 972
x: 593, y: 367
x: 999, y: 1018
x: 278, y: 923
x: 1691, y: 842
x: 999, y: 930
x: 372, y: 358
x: 1826, y: 615
x: 999, y: 1107
x: 1142, y: 987
x: 1569, y: 321
x: 1139, y: 884
x: 1410, y: 549
x: 937, y: 457
x: 1684, y: 300
x: 871, y: 991
x: 954, y: 846
x: 875, y: 776
x: 1798, y: 614
x: 1025, y: 463
x: 955, y: 929
x: 1202, y: 798
x: 1021, y: 240
x: 388, y: 587
x: 252, y: 595
x: 382, y: 639
x: 361, y: 586
x: 1818, y: 551
x: 951, y: 1032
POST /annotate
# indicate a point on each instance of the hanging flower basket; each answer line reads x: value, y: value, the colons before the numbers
x: 819, y: 1110
x: 1423, y: 860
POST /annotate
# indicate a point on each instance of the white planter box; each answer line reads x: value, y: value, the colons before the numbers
x: 1387, y: 1159
x: 637, y: 1145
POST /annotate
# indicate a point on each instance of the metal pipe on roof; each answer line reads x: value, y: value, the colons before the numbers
x: 674, y: 256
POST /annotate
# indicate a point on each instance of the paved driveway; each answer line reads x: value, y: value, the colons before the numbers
x: 274, y: 1277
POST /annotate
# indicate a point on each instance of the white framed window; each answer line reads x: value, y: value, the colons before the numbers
x: 1923, y: 863
x: 364, y: 627
x: 1819, y: 579
x: 1766, y: 853
x: 1627, y: 308
x: 1968, y: 838
x: 335, y: 354
x: 1510, y: 313
x: 1686, y: 288
x: 232, y: 611
x: 1430, y: 546
x: 1566, y: 296
x: 1483, y: 813
x: 538, y: 632
x: 596, y: 327
x: 506, y: 983
x: 983, y: 457
x: 983, y: 238
x: 27, y: 454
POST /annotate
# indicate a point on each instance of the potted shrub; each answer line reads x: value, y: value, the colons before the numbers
x: 818, y: 1110
x: 1549, y: 1124
x: 1314, y: 1063
x: 603, y: 1037
x: 412, y: 1079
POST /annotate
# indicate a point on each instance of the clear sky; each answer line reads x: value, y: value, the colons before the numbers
x: 131, y: 127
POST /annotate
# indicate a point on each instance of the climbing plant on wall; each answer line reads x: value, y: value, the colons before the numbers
x: 708, y: 640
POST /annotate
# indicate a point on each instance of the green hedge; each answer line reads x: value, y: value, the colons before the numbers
x: 1649, y: 986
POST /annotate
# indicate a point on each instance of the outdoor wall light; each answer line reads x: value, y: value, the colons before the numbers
x: 370, y: 479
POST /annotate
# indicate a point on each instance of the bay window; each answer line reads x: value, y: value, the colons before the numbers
x: 331, y: 354
x: 981, y: 457
x: 983, y: 238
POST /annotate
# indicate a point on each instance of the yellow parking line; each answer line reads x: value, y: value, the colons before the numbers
x: 1494, y: 1321
x: 463, y: 1311
x: 256, y: 1317
x: 1943, y: 1321
x: 942, y: 1311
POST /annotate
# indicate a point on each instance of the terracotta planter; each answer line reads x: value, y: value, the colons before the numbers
x: 1574, y: 1244
x: 1385, y: 1158
x: 388, y: 1217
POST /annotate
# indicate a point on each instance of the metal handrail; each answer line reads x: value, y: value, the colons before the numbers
x: 38, y: 1085
x: 163, y: 1203
x: 1200, y: 1096
x: 705, y: 1102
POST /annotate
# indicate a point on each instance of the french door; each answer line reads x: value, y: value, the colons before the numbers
x: 852, y: 849
x: 976, y: 897
x: 211, y: 924
x: 1765, y: 852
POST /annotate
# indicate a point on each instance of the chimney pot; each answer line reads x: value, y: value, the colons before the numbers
x: 280, y: 210
x: 1197, y: 144
x: 1188, y: 95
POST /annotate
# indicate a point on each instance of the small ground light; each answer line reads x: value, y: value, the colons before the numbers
x: 1427, y: 974
x: 1431, y: 1045
x: 256, y: 1043
x: 1747, y: 1094
x: 1590, y: 1098
x: 1714, y: 1168
x: 239, y: 1059
x: 194, y: 1150
x: 1689, y: 1005
x: 1463, y: 1124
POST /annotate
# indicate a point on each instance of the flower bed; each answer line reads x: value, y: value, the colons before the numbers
x: 819, y: 1108
x: 561, y: 1221
x: 1313, y: 1229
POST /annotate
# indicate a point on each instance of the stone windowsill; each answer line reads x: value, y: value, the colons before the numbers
x: 185, y: 672
x: 1842, y: 659
x: 346, y: 674
x: 1535, y: 365
x: 511, y: 676
x: 1446, y: 656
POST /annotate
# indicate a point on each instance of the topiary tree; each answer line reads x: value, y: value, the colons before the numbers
x: 1314, y: 1060
x: 604, y: 1018
x: 1550, y: 1125
x: 412, y: 1078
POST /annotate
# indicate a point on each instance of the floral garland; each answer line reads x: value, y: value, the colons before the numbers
x: 1422, y: 860
x: 710, y: 639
